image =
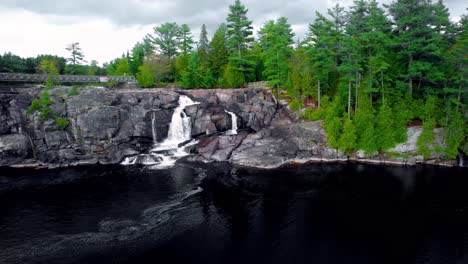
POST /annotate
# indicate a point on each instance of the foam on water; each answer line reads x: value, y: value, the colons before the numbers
x: 164, y: 154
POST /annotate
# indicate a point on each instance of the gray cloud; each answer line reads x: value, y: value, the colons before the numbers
x: 195, y: 13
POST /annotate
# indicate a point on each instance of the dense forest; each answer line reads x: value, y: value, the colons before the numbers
x: 369, y: 70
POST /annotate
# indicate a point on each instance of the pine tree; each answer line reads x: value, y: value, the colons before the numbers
x: 165, y: 39
x: 276, y: 38
x: 239, y: 38
x: 218, y: 55
x: 185, y: 39
x: 203, y: 45
x: 320, y: 42
x: 76, y: 54
x: 419, y: 42
x: 191, y: 77
x: 348, y: 139
x: 385, y: 128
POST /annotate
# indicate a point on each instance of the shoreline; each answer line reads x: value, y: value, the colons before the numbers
x: 290, y: 162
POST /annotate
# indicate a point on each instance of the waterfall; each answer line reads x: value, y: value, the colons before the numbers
x: 180, y: 128
x: 153, y: 128
x: 166, y: 153
x: 233, y: 130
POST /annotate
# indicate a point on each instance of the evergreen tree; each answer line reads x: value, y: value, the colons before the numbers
x: 145, y: 76
x: 138, y: 56
x: 276, y: 38
x: 203, y: 45
x: 76, y: 54
x: 348, y: 139
x: 191, y: 77
x: 48, y: 67
x: 239, y: 38
x: 418, y: 42
x: 320, y: 42
x: 185, y: 39
x: 165, y: 40
x: 218, y: 55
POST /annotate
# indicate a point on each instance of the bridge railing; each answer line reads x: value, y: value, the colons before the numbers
x: 261, y: 84
x: 23, y: 77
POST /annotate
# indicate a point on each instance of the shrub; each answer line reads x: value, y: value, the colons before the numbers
x: 454, y: 133
x: 35, y: 106
x: 426, y: 138
x: 62, y: 122
x: 73, y: 91
x: 46, y: 113
x: 295, y: 105
x: 347, y: 140
x: 312, y: 115
x: 145, y: 76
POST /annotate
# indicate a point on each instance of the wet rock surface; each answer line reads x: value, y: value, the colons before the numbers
x: 106, y: 125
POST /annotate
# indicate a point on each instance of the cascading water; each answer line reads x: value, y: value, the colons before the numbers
x: 233, y: 130
x: 166, y: 153
x: 153, y: 128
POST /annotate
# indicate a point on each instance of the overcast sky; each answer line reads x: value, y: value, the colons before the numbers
x: 107, y: 28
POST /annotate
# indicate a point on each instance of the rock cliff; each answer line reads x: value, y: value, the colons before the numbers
x: 105, y: 126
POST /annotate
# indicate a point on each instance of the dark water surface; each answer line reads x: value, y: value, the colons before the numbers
x: 325, y: 213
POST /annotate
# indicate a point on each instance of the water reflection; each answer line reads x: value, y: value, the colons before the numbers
x: 323, y: 213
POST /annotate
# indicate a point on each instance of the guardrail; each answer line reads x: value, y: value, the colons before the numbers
x: 23, y: 77
x: 261, y: 84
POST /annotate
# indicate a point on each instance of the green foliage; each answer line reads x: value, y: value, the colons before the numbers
x: 239, y: 38
x: 73, y: 91
x: 203, y: 45
x: 332, y: 123
x: 76, y: 54
x: 167, y: 39
x: 186, y: 39
x: 318, y: 114
x: 365, y: 127
x: 145, y: 76
x: 454, y: 133
x: 48, y: 67
x: 232, y: 78
x: 35, y: 106
x: 122, y: 67
x: 218, y: 56
x: 426, y: 138
x: 385, y: 129
x: 295, y: 105
x: 62, y: 122
x: 276, y: 38
x: 191, y: 77
x: 348, y: 138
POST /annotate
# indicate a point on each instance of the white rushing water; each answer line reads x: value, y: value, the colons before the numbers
x: 233, y: 130
x: 166, y: 153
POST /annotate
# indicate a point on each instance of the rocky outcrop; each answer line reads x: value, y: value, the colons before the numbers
x: 105, y: 126
x: 285, y: 141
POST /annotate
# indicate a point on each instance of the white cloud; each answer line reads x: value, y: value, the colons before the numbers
x: 107, y: 28
x: 29, y: 34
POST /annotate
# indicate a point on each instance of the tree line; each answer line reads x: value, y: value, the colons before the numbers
x: 73, y: 65
x: 368, y: 70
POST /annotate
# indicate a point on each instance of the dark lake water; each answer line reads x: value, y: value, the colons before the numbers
x: 324, y: 213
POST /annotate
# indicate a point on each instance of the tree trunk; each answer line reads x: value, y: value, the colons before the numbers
x: 349, y: 98
x: 318, y: 92
x: 356, y: 99
x: 410, y: 77
x: 383, y: 88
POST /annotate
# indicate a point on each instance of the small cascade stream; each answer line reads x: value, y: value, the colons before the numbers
x: 233, y: 130
x: 165, y: 154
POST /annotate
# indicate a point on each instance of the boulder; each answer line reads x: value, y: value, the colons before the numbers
x: 14, y: 147
x: 100, y: 122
